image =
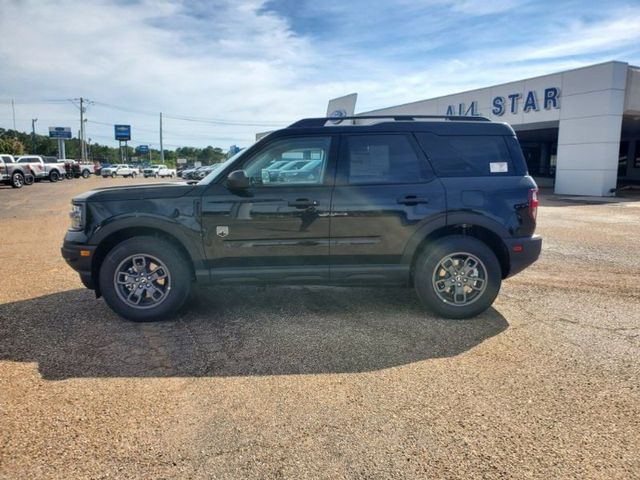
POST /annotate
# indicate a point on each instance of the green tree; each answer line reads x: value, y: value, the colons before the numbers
x: 12, y: 146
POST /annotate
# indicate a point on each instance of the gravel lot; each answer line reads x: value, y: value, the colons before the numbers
x: 324, y: 382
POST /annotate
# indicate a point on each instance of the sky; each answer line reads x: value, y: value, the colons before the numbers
x: 222, y: 70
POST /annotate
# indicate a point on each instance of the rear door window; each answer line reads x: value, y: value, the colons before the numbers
x: 381, y: 159
x: 467, y: 155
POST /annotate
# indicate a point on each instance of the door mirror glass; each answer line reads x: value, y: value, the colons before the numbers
x: 237, y: 180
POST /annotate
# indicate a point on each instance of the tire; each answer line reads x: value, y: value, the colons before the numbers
x: 28, y: 179
x: 113, y: 175
x: 178, y: 274
x: 477, y: 289
x: 86, y: 174
x: 17, y: 180
x: 133, y: 175
x: 54, y: 176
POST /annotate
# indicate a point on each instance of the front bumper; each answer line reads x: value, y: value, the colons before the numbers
x: 522, y: 252
x: 80, y: 257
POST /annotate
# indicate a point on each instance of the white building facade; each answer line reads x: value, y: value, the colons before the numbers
x: 579, y: 129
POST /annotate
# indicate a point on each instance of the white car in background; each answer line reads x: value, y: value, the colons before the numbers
x: 163, y: 171
x: 159, y: 171
x: 120, y: 170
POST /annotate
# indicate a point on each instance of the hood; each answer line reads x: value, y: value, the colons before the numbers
x: 136, y: 192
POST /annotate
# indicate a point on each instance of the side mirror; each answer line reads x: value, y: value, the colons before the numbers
x: 238, y: 180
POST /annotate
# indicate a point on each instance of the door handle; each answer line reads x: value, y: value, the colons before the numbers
x: 412, y: 200
x: 303, y: 203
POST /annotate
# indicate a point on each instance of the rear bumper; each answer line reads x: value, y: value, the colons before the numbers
x: 522, y: 252
x: 80, y: 261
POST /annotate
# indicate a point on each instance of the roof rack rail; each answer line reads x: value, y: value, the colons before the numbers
x: 321, y: 121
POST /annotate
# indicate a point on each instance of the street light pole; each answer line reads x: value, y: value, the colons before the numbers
x: 161, y: 146
x: 33, y: 134
x: 13, y: 109
x: 84, y: 142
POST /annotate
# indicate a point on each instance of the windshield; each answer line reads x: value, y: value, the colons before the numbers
x: 213, y: 175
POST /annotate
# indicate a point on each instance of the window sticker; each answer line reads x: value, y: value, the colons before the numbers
x: 498, y: 167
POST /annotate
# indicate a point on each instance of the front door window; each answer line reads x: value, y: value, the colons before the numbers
x: 290, y: 162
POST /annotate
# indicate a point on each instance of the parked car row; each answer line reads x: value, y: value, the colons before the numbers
x: 127, y: 170
x: 26, y: 169
x: 284, y: 171
x: 197, y: 173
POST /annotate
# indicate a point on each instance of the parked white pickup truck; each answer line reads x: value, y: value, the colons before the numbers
x: 121, y: 170
x: 159, y: 171
x: 14, y: 174
x: 44, y: 167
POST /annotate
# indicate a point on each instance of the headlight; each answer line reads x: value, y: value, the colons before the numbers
x: 77, y: 217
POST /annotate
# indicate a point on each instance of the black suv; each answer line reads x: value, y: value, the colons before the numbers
x: 442, y: 204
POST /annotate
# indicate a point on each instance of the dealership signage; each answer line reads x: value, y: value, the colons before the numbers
x: 142, y: 149
x: 531, y: 101
x: 122, y: 132
x: 60, y: 132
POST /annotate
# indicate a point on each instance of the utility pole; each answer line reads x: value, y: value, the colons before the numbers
x: 161, y: 147
x: 13, y: 108
x: 82, y: 152
x: 33, y: 134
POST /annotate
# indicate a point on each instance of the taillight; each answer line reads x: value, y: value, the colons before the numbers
x: 533, y: 203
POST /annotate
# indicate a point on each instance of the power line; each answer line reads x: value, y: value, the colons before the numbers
x: 173, y: 116
x: 187, y: 118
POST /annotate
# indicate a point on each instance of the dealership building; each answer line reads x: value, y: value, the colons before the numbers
x: 579, y: 129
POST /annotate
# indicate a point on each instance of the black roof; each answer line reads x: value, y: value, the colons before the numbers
x: 438, y: 124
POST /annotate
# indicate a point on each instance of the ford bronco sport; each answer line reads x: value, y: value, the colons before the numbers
x: 440, y: 204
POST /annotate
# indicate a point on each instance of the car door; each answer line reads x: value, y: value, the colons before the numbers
x: 275, y: 230
x: 385, y: 190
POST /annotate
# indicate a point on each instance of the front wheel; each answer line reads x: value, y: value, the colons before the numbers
x: 54, y: 176
x: 113, y: 175
x: 133, y: 175
x: 86, y: 173
x: 145, y: 279
x: 457, y: 277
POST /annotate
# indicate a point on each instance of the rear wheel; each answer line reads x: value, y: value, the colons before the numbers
x: 17, y: 180
x: 113, y: 175
x: 457, y: 277
x: 145, y: 279
x: 54, y: 176
x: 28, y: 179
x: 86, y: 173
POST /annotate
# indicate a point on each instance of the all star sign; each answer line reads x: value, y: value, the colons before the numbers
x: 532, y: 101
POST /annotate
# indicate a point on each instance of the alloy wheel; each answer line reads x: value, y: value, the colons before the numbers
x: 460, y: 279
x: 142, y: 281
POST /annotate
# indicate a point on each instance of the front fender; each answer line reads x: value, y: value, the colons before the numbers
x: 176, y: 219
